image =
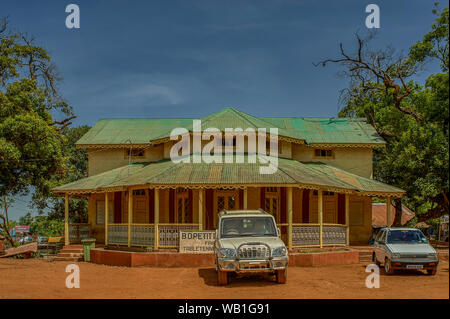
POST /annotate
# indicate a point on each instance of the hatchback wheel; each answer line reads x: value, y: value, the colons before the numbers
x: 388, y: 267
x: 375, y: 260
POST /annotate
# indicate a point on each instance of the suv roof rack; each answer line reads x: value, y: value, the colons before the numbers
x: 242, y: 212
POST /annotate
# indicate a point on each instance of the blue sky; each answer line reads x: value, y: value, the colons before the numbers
x: 190, y: 58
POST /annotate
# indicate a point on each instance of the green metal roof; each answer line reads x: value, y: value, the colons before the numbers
x: 166, y: 173
x: 121, y: 131
x: 312, y: 130
x: 330, y: 130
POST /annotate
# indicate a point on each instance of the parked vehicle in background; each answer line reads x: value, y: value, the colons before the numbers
x: 404, y: 248
x: 248, y: 241
x: 26, y: 239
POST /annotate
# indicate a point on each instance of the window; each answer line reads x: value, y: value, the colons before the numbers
x: 272, y: 202
x: 324, y: 193
x: 225, y: 141
x: 139, y: 192
x: 381, y: 236
x: 269, y: 147
x: 135, y: 153
x: 100, y: 214
x: 323, y: 153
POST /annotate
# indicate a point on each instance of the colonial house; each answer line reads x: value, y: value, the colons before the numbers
x: 320, y: 194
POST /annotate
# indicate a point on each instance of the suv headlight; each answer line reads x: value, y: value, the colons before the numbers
x: 227, y: 253
x: 432, y: 255
x: 279, y: 252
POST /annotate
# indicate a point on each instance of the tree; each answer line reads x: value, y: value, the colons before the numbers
x: 412, y: 118
x: 77, y: 167
x: 43, y: 225
x: 5, y: 223
x: 31, y: 139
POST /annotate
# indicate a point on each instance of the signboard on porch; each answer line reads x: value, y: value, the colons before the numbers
x: 197, y: 242
x: 22, y: 229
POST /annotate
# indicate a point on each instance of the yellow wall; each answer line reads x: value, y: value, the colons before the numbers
x: 360, y: 212
x: 253, y: 198
x: 95, y: 231
x: 360, y: 226
x: 102, y: 160
x: 352, y: 159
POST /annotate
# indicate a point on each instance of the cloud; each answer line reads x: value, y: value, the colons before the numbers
x: 153, y: 93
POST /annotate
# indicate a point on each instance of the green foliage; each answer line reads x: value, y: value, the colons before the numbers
x: 43, y: 225
x: 76, y: 168
x: 416, y: 157
x: 31, y: 142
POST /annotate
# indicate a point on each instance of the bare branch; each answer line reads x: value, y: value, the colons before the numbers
x: 368, y: 67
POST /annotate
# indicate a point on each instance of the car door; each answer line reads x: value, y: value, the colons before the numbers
x: 380, y: 246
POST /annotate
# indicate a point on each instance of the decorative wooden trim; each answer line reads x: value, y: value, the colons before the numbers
x: 85, y: 193
x: 348, y: 145
x: 112, y: 146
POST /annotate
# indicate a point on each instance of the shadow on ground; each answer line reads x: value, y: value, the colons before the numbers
x: 209, y: 276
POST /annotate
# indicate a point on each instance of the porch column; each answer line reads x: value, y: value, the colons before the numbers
x: 320, y: 210
x: 388, y: 211
x: 130, y: 214
x: 200, y: 209
x: 347, y: 219
x: 289, y: 216
x: 156, y: 245
x: 106, y: 217
x: 245, y: 198
x: 66, y: 219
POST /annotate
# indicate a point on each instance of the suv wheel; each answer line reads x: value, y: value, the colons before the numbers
x: 388, y: 267
x: 281, y: 276
x: 432, y: 272
x: 222, y: 277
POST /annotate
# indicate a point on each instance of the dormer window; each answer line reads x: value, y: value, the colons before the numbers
x: 135, y: 153
x: 323, y: 153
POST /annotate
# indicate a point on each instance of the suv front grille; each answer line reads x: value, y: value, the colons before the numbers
x: 254, y: 252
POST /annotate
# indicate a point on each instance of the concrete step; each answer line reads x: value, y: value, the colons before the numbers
x: 73, y: 247
x: 365, y: 256
x: 74, y: 251
x: 64, y: 254
x: 58, y: 258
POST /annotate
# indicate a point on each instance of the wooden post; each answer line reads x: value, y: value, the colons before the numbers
x: 245, y: 198
x: 289, y: 213
x: 66, y: 219
x: 106, y: 217
x: 130, y: 214
x: 347, y: 219
x: 200, y: 209
x: 156, y: 245
x: 388, y: 211
x: 320, y: 209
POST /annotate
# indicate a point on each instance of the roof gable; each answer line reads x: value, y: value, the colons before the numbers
x: 310, y: 130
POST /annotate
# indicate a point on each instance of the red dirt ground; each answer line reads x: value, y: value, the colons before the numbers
x: 37, y: 278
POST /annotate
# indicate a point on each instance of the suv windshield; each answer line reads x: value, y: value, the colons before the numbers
x: 405, y: 236
x: 247, y: 226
